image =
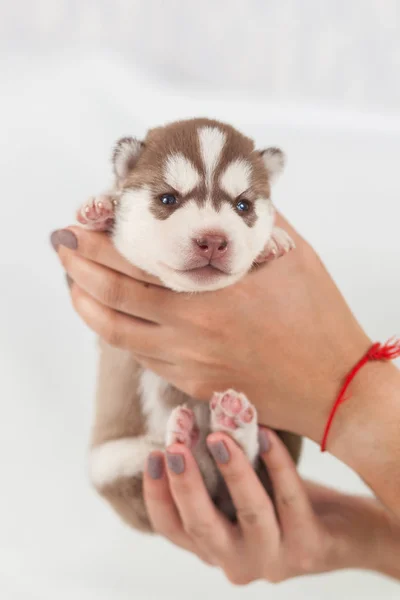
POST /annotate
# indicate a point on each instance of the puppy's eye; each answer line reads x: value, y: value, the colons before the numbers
x: 243, y: 206
x: 168, y: 199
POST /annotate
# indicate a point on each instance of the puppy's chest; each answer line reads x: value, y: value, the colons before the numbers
x: 158, y: 398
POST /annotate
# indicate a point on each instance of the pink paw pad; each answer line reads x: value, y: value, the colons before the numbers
x: 232, y: 403
x: 231, y: 410
x: 183, y: 427
x: 98, y: 212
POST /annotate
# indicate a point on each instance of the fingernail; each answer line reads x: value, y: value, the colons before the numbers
x: 54, y: 240
x: 69, y: 279
x: 176, y: 463
x: 219, y: 452
x: 64, y: 237
x: 263, y: 441
x: 155, y: 466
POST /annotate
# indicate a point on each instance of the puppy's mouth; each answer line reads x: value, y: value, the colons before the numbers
x: 205, y: 272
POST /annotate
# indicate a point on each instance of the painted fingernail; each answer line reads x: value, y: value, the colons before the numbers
x: 64, y: 237
x: 219, y: 452
x: 176, y: 463
x: 69, y: 280
x: 155, y: 466
x: 263, y: 441
x: 54, y: 240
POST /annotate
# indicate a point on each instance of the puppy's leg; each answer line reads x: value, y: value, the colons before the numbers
x: 98, y: 212
x: 279, y: 244
x: 182, y: 427
x: 189, y: 424
x: 116, y: 471
x: 232, y: 413
x: 120, y: 440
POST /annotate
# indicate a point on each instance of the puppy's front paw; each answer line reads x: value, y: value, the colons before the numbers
x: 279, y: 244
x: 97, y: 213
x: 182, y: 427
x: 232, y: 413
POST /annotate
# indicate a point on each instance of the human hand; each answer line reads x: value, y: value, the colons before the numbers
x: 315, y: 529
x: 283, y: 335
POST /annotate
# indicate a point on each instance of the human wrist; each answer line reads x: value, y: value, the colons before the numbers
x: 364, y: 536
x: 318, y: 391
x: 388, y: 562
x: 364, y: 434
x: 382, y: 548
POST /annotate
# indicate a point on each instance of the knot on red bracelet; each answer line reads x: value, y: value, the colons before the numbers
x: 388, y: 351
x: 378, y: 351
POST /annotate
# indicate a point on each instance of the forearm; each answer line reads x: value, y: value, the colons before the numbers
x: 365, y: 433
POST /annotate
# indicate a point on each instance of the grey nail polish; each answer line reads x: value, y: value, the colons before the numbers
x: 54, y: 240
x: 176, y: 463
x: 155, y: 466
x: 69, y: 280
x: 263, y: 441
x: 219, y: 452
x: 67, y: 238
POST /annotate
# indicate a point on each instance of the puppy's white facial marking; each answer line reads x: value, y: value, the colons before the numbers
x: 236, y: 178
x: 165, y: 247
x: 180, y: 173
x: 212, y: 141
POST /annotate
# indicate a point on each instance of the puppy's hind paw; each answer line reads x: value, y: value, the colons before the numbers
x: 182, y: 428
x: 232, y: 413
x: 230, y: 410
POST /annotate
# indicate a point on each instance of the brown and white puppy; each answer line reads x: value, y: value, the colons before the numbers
x: 191, y: 204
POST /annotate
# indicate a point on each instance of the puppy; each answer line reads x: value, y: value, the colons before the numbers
x: 191, y: 204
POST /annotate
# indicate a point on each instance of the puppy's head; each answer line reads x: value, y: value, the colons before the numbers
x: 194, y: 206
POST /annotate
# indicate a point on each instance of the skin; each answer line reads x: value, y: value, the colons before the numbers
x: 283, y: 335
x: 318, y: 530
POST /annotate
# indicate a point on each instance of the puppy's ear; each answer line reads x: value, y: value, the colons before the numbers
x: 274, y: 161
x: 125, y: 156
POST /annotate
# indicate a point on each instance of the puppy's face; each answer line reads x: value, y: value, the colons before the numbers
x: 195, y: 206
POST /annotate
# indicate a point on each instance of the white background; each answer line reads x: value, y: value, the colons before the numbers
x: 319, y: 78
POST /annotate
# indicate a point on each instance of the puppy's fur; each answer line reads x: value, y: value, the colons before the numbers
x: 191, y: 204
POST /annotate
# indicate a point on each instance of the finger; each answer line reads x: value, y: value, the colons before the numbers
x: 117, y: 329
x: 115, y: 290
x: 255, y: 511
x: 209, y: 530
x: 291, y: 499
x: 98, y: 247
x: 161, y: 508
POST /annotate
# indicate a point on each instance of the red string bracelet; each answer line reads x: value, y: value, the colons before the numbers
x: 378, y: 351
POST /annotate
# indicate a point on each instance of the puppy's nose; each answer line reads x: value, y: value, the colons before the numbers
x: 211, y: 246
